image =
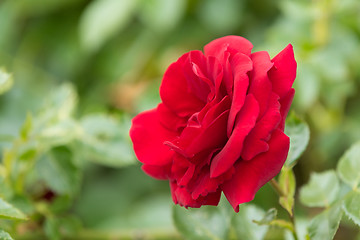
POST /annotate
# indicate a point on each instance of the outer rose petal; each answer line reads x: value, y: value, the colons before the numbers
x: 231, y: 151
x: 158, y: 172
x: 174, y: 86
x: 169, y: 119
x: 148, y: 136
x: 260, y: 85
x: 250, y: 176
x: 216, y: 48
x: 283, y: 74
x: 256, y: 141
x: 285, y: 106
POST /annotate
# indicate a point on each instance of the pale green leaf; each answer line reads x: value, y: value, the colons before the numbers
x: 349, y: 166
x: 4, y: 235
x: 287, y: 184
x: 58, y: 171
x: 299, y: 134
x: 351, y: 206
x: 325, y: 225
x: 269, y: 216
x: 321, y: 190
x: 105, y: 141
x: 162, y: 15
x: 207, y: 223
x: 244, y: 225
x: 6, y: 81
x: 102, y: 19
x: 59, y: 133
x: 10, y: 212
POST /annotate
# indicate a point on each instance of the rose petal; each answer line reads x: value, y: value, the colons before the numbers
x: 232, y: 150
x: 256, y: 141
x: 216, y: 47
x: 205, y: 185
x: 158, y: 172
x: 250, y: 176
x: 283, y: 74
x: 174, y: 86
x: 241, y: 64
x: 285, y: 103
x: 260, y: 85
x: 169, y: 119
x: 148, y: 136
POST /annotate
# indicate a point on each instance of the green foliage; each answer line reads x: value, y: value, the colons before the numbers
x: 299, y: 134
x: 349, y: 166
x: 10, y: 212
x: 287, y: 184
x: 322, y: 189
x: 325, y: 225
x: 4, y: 235
x: 6, y: 81
x: 204, y: 223
x: 351, y: 206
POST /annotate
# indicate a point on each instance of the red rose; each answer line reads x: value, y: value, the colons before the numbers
x: 220, y: 126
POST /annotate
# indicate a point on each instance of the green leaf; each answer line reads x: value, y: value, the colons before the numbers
x: 351, y: 206
x: 299, y: 134
x: 245, y: 226
x: 162, y: 15
x: 58, y: 171
x: 10, y: 212
x: 203, y: 223
x: 59, y: 133
x: 325, y: 225
x: 269, y: 216
x: 6, y: 81
x: 321, y: 190
x: 102, y: 19
x: 287, y: 184
x: 105, y: 141
x: 349, y: 166
x: 4, y: 235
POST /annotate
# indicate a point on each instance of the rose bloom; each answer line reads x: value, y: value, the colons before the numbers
x: 220, y: 125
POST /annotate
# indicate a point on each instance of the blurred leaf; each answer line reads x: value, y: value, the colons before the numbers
x: 325, y: 225
x: 244, y: 225
x: 51, y: 228
x: 321, y: 190
x: 26, y: 127
x: 351, y: 206
x: 221, y: 16
x: 269, y: 216
x: 287, y: 184
x: 162, y: 15
x: 348, y: 167
x: 203, y: 223
x: 4, y: 235
x: 299, y: 134
x: 60, y: 133
x: 105, y: 141
x: 6, y: 81
x: 59, y: 172
x: 102, y: 19
x: 10, y: 212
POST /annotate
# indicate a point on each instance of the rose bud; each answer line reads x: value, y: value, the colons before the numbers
x: 220, y: 125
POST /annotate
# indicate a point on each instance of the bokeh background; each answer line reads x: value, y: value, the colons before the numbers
x: 82, y: 69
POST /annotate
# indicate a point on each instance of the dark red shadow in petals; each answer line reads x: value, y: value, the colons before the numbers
x: 174, y: 87
x: 260, y: 85
x: 256, y: 141
x: 216, y: 47
x: 250, y: 176
x: 285, y: 106
x: 283, y: 74
x: 158, y: 172
x: 231, y: 152
x: 148, y: 136
x: 169, y: 119
x: 241, y: 65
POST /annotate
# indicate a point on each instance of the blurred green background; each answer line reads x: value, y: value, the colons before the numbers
x: 83, y: 68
